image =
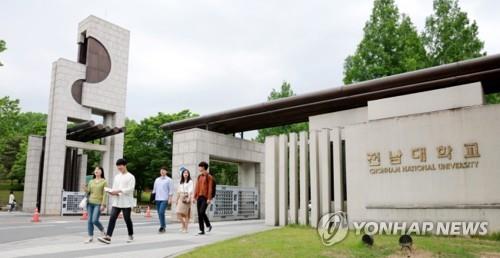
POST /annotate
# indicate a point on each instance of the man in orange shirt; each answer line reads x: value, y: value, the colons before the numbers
x: 203, y: 196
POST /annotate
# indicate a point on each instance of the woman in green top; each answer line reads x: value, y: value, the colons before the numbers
x: 96, y: 202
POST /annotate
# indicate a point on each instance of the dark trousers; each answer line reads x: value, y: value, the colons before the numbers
x: 126, y: 216
x: 202, y: 205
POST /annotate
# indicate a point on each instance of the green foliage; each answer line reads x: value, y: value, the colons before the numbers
x: 15, y: 127
x: 413, y: 56
x: 2, y: 48
x: 390, y: 45
x: 10, y: 149
x: 9, y: 112
x: 449, y: 36
x: 285, y: 91
x: 148, y: 148
x: 493, y: 98
x: 93, y: 160
x: 225, y: 173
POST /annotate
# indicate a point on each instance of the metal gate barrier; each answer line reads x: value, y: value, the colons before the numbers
x: 234, y: 203
x: 71, y: 202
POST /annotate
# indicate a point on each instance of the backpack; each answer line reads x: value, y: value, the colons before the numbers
x: 214, y: 184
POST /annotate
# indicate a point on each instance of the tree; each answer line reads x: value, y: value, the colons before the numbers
x: 15, y: 127
x: 18, y: 169
x: 9, y: 153
x: 449, y: 36
x: 26, y: 124
x: 413, y: 55
x: 2, y: 48
x: 9, y: 112
x: 9, y: 143
x: 148, y: 147
x: 285, y: 91
x: 390, y: 45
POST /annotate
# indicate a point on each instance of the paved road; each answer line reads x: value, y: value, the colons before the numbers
x: 63, y: 237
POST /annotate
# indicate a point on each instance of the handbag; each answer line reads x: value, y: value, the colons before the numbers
x: 185, y: 198
x: 152, y: 198
x: 83, y: 203
x: 185, y: 195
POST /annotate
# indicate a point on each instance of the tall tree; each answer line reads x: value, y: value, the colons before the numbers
x: 413, y: 55
x: 390, y: 45
x: 449, y: 36
x: 9, y: 113
x: 283, y: 92
x: 2, y: 48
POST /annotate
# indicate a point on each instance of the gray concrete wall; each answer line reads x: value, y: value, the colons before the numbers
x: 428, y: 101
x: 33, y: 155
x: 387, y: 189
x: 437, y: 121
x: 192, y: 146
x: 302, y: 164
x: 338, y: 119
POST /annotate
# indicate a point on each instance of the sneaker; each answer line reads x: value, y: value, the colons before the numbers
x: 201, y: 233
x: 209, y: 229
x: 106, y: 239
x: 161, y: 230
x: 103, y: 234
x: 130, y: 239
x: 88, y: 241
x: 184, y: 231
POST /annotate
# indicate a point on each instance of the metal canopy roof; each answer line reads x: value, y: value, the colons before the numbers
x: 88, y: 131
x: 298, y: 108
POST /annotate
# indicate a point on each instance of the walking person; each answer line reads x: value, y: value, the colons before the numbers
x: 96, y: 202
x: 184, y: 199
x: 122, y: 200
x: 163, y: 190
x: 12, y: 201
x: 203, y: 196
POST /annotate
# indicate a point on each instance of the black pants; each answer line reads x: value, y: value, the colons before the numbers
x: 126, y: 216
x: 202, y: 205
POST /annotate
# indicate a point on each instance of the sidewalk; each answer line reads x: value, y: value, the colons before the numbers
x: 148, y: 243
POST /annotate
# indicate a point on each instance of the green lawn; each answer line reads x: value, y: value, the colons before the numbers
x: 298, y: 241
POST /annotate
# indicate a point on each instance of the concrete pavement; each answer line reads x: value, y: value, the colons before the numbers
x: 63, y: 237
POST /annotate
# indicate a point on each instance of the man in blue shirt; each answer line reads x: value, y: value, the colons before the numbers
x: 163, y: 190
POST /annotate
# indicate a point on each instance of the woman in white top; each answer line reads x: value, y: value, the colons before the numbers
x: 12, y: 201
x: 184, y: 199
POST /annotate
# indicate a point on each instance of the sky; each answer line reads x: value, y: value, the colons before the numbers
x: 206, y: 56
